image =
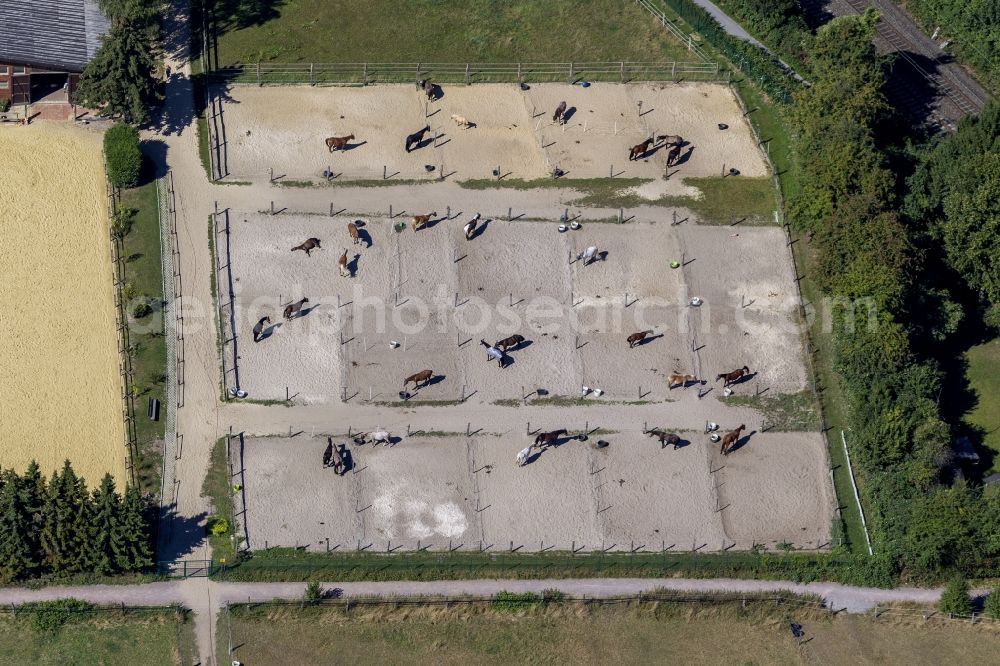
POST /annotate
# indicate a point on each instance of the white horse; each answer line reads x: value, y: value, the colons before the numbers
x: 588, y: 255
x: 492, y: 353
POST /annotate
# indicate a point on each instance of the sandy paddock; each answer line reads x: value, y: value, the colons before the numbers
x: 283, y: 128
x: 60, y: 396
x: 516, y: 278
x: 437, y: 490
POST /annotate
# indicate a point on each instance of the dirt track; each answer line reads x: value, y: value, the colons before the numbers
x: 60, y: 396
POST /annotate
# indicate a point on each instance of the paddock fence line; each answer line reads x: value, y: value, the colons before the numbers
x: 173, y: 333
x: 237, y: 489
x: 367, y: 73
x: 854, y: 487
x: 125, y: 369
x: 673, y: 29
x: 225, y: 300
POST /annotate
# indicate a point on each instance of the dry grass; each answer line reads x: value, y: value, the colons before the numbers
x: 575, y: 633
x: 61, y: 394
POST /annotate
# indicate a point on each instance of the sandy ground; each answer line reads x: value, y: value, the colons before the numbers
x: 514, y: 278
x: 61, y: 394
x: 514, y: 131
x: 436, y: 491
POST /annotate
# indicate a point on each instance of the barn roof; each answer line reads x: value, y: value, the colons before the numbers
x: 51, y: 34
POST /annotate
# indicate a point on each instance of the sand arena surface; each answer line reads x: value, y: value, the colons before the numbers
x: 466, y: 490
x: 60, y: 392
x: 283, y: 128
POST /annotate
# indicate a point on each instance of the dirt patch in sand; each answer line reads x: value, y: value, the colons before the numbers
x: 61, y: 393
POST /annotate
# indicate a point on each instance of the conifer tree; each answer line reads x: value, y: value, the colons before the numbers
x: 33, y: 490
x: 132, y: 543
x: 105, y: 516
x: 16, y: 557
x: 65, y: 529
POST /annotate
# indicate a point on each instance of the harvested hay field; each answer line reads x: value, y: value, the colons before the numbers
x: 61, y: 393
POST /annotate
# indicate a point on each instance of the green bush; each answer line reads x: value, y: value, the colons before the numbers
x: 47, y: 616
x: 5, y: 105
x: 314, y: 592
x: 142, y: 309
x: 552, y: 595
x: 955, y: 598
x: 515, y: 601
x: 218, y: 526
x: 121, y: 148
x: 992, y: 604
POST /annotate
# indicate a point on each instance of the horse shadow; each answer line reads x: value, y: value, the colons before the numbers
x: 742, y: 441
x: 567, y: 114
x: 352, y: 146
x: 352, y: 265
x: 347, y: 457
x: 435, y: 93
x: 523, y: 344
x: 506, y: 361
x: 269, y: 331
x: 433, y: 222
x: 684, y: 158
x: 365, y: 238
x: 682, y: 443
x: 745, y: 378
x: 304, y: 311
x: 479, y: 230
x: 648, y: 339
x: 423, y: 143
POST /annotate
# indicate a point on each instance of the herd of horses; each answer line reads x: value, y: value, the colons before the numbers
x: 415, y: 139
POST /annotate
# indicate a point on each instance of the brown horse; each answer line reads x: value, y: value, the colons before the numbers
x: 730, y: 438
x: 637, y: 338
x: 507, y: 343
x: 308, y: 246
x: 558, y: 116
x: 428, y: 88
x: 342, y: 265
x: 665, y: 438
x: 328, y: 453
x: 292, y: 310
x: 422, y: 376
x: 420, y: 221
x: 335, y: 142
x: 258, y: 328
x: 675, y: 152
x: 548, y: 438
x: 640, y: 149
x: 675, y: 379
x: 352, y: 229
x: 731, y: 377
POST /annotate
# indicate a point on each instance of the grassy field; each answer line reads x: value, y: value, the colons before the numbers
x: 105, y: 638
x: 143, y: 277
x: 329, y: 31
x: 572, y: 632
x: 785, y: 411
x: 984, y: 378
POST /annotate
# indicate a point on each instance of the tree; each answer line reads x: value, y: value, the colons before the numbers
x: 121, y: 148
x: 66, y: 530
x: 105, y: 538
x: 33, y: 491
x: 132, y: 543
x: 120, y: 80
x: 955, y: 598
x: 992, y: 604
x: 16, y: 556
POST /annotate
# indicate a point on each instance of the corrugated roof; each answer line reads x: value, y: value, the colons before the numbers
x: 54, y: 34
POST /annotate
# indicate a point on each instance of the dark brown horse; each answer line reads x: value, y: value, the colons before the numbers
x: 559, y: 115
x: 665, y: 438
x: 731, y: 377
x: 292, y: 310
x: 549, y: 438
x: 639, y: 150
x: 730, y: 438
x: 637, y: 338
x: 416, y: 137
x: 507, y: 343
x: 675, y: 152
x: 258, y: 328
x: 308, y: 246
x: 422, y: 376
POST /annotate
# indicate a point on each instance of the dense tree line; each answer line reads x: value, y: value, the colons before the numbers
x: 56, y: 527
x: 866, y: 252
x: 778, y: 23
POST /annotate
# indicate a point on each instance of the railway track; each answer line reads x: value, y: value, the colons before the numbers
x: 954, y: 87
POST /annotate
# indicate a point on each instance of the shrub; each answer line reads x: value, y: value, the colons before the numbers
x: 218, y: 526
x: 142, y: 309
x: 955, y: 598
x: 4, y: 105
x: 314, y: 592
x: 552, y: 596
x: 121, y: 148
x: 992, y: 604
x: 121, y: 225
x: 51, y: 615
x: 515, y: 601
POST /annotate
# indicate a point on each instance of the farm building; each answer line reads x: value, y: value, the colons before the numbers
x: 44, y: 46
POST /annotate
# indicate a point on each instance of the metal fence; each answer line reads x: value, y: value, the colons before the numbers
x: 366, y: 73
